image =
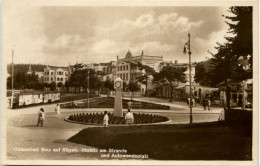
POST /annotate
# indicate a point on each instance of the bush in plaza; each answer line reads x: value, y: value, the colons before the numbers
x: 97, y: 118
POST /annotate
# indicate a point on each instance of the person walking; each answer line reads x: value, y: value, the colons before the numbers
x: 129, y: 117
x: 205, y: 102
x: 188, y: 102
x: 57, y: 109
x: 41, y: 117
x: 193, y: 102
x: 105, y: 120
x: 209, y: 103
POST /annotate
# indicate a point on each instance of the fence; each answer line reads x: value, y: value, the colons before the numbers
x: 128, y: 94
x: 30, y: 99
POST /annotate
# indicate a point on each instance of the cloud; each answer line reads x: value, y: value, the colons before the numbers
x: 57, y: 37
x: 202, y: 46
x: 150, y: 26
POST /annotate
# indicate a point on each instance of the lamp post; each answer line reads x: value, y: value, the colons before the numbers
x: 12, y: 98
x: 243, y: 95
x: 188, y: 45
x: 88, y: 88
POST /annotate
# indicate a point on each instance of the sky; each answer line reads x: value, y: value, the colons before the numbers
x: 60, y: 35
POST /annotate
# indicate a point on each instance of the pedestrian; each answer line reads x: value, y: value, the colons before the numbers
x: 57, y: 109
x: 105, y: 120
x: 41, y: 117
x: 204, y: 102
x: 129, y: 117
x: 193, y: 102
x: 188, y: 102
x: 209, y: 103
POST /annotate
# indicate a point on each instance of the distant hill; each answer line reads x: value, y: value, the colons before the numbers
x: 24, y: 68
x: 207, y: 64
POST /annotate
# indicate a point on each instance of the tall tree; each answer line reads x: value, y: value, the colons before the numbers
x: 170, y: 73
x: 240, y: 25
x: 79, y: 78
x: 109, y: 85
x: 238, y: 48
x: 201, y: 75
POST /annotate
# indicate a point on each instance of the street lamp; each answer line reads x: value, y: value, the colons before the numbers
x: 88, y: 88
x: 12, y: 98
x: 187, y: 46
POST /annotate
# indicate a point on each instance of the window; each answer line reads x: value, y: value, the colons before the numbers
x: 120, y: 75
x: 58, y: 79
x: 120, y: 68
x: 126, y: 76
x: 51, y: 78
x: 61, y: 79
x: 123, y: 67
x: 51, y: 73
x: 127, y: 67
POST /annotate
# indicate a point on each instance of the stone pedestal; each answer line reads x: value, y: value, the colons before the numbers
x: 118, y: 85
x: 118, y: 112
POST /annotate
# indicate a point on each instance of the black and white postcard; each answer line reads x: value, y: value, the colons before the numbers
x: 125, y: 82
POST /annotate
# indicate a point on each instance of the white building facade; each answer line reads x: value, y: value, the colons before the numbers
x: 56, y: 74
x: 127, y: 68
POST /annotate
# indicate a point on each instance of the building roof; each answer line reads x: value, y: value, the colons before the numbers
x: 57, y: 67
x: 128, y: 54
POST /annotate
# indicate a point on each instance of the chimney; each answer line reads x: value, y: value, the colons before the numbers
x: 117, y: 57
x: 176, y: 61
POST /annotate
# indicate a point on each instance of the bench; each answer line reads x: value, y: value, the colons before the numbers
x: 136, y: 105
x: 79, y: 104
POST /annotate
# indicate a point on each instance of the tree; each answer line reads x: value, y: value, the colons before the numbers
x: 79, y: 78
x: 109, y: 85
x: 240, y: 25
x: 53, y: 86
x: 201, y: 75
x: 133, y: 87
x: 238, y: 48
x: 60, y: 85
x: 169, y: 73
x: 147, y: 73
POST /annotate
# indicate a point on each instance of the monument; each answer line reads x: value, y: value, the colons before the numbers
x: 118, y: 85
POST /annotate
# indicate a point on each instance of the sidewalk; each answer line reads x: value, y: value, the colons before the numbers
x: 177, y: 105
x: 21, y: 123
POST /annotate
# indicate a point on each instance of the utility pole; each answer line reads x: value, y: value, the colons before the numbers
x: 190, y: 80
x: 12, y: 99
x: 243, y: 95
x: 88, y: 88
x: 188, y: 45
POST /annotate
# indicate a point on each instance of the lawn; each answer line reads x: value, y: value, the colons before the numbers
x: 106, y: 102
x: 75, y: 96
x: 205, y: 141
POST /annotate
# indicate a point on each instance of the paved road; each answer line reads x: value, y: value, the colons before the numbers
x: 22, y: 131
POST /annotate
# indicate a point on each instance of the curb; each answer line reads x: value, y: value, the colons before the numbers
x: 100, y: 125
